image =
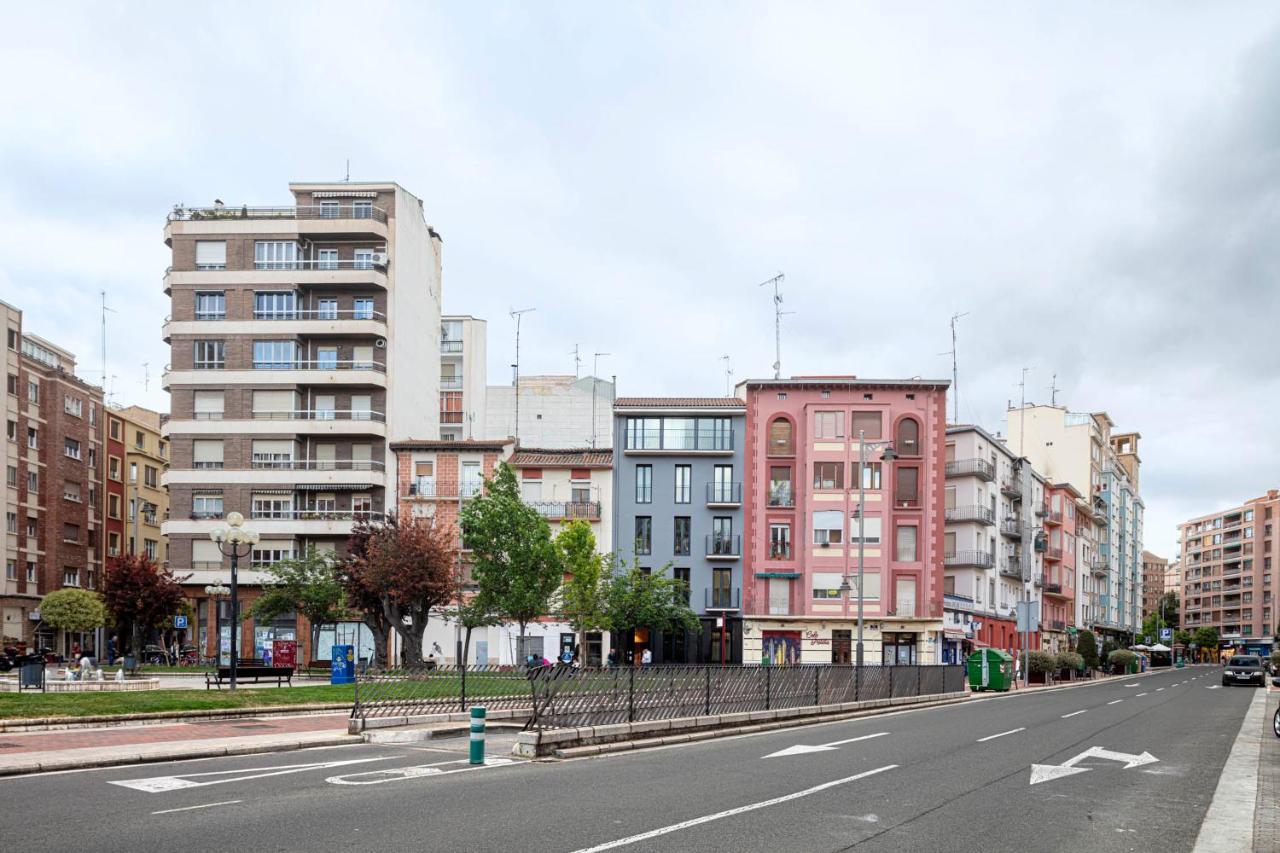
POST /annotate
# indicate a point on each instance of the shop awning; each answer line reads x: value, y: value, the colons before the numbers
x: 788, y: 575
x: 334, y: 487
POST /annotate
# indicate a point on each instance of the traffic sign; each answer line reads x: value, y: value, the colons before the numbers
x: 179, y: 621
x: 1166, y: 633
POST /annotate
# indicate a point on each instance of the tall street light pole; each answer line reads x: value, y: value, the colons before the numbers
x: 230, y: 537
x: 888, y: 456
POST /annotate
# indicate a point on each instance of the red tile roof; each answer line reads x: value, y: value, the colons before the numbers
x: 680, y: 402
x: 577, y: 458
x: 497, y: 444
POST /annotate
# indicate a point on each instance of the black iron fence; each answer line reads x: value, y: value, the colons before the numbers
x: 564, y: 697
x: 413, y: 691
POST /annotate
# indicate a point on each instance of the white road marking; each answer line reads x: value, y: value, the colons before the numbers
x: 1002, y: 734
x: 1135, y: 684
x: 802, y: 749
x: 156, y: 784
x: 1228, y: 824
x: 676, y: 827
x: 193, y: 808
x: 399, y: 774
x: 1073, y: 713
x: 1048, y: 772
x: 1158, y: 689
x: 1117, y: 702
x: 1141, y: 694
x: 1214, y: 687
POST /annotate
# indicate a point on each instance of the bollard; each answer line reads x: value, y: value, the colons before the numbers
x: 477, y: 734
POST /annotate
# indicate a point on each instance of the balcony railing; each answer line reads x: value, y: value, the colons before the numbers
x: 448, y: 346
x: 972, y: 512
x: 319, y: 314
x: 980, y: 468
x: 727, y: 546
x: 202, y: 515
x: 1011, y: 527
x: 450, y: 383
x: 1052, y: 516
x: 321, y: 364
x: 980, y: 559
x: 427, y: 488
x: 779, y: 550
x: 676, y: 439
x: 311, y: 211
x: 556, y: 510
x: 722, y: 598
x: 1011, y: 566
x: 318, y: 464
x: 316, y: 515
x: 1051, y: 587
x: 1057, y: 625
x: 377, y: 261
x: 780, y: 494
x: 308, y: 415
x: 206, y: 565
x: 1053, y: 552
x: 1011, y: 488
x: 724, y: 493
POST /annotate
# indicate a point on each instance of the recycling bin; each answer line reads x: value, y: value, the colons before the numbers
x: 990, y: 669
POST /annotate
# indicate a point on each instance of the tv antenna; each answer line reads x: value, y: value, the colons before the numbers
x: 728, y: 375
x: 347, y: 178
x: 955, y: 371
x: 595, y: 371
x: 516, y: 315
x: 777, y: 322
x: 105, y: 309
x: 146, y: 376
x: 577, y: 362
x: 1053, y: 390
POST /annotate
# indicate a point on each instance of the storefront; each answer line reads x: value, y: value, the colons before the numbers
x: 895, y: 642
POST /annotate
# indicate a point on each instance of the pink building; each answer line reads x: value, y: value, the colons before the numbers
x: 1058, y: 584
x: 801, y: 519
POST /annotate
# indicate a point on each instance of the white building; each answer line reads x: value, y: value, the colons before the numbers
x: 463, y: 383
x: 555, y: 411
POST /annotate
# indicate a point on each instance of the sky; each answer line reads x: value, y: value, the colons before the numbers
x: 1096, y: 186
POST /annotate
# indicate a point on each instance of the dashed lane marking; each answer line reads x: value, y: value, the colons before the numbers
x: 1001, y: 734
x: 1073, y: 713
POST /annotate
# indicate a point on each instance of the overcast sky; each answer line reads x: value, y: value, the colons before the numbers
x: 1096, y: 185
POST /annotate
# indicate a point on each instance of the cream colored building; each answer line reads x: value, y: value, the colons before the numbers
x: 146, y: 498
x: 463, y: 380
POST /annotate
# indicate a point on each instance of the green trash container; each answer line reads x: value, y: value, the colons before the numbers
x: 990, y: 669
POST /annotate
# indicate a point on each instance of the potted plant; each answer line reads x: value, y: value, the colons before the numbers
x: 1069, y: 665
x: 1121, y: 661
x: 1041, y: 665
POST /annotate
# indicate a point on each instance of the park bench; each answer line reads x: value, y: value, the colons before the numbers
x: 251, y: 671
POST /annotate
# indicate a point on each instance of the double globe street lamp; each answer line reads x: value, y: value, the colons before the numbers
x: 230, y: 538
x: 888, y: 455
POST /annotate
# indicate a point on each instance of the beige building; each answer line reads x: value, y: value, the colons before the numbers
x: 463, y: 383
x: 146, y: 502
x: 558, y: 412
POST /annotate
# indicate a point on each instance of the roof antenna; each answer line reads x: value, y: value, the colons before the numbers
x: 955, y: 371
x: 146, y: 376
x: 577, y: 363
x: 516, y: 315
x: 1053, y: 390
x: 595, y: 371
x: 777, y: 322
x: 347, y: 179
x: 728, y: 375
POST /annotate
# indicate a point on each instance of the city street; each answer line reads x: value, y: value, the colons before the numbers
x: 1126, y: 765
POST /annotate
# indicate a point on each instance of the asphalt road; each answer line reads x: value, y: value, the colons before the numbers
x: 950, y: 779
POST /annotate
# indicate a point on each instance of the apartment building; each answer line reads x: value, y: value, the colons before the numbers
x: 1228, y: 579
x: 1080, y: 449
x: 463, y: 379
x: 53, y: 485
x: 1154, y: 572
x: 554, y: 411
x: 145, y: 499
x: 802, y: 524
x: 1058, y: 576
x: 678, y: 503
x: 568, y: 485
x: 297, y: 343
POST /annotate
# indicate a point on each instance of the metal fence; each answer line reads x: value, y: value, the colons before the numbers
x: 564, y: 697
x: 439, y: 690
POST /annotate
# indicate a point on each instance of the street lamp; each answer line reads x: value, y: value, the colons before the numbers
x: 888, y: 455
x: 229, y: 538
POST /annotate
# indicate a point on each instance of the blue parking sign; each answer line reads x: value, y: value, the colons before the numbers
x: 1166, y: 633
x: 179, y: 622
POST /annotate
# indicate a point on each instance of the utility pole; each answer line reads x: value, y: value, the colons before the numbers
x: 777, y: 322
x: 595, y: 372
x: 1028, y: 538
x: 516, y: 315
x: 728, y: 376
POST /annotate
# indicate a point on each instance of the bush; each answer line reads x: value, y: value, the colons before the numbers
x: 1071, y: 661
x: 1120, y: 659
x: 1042, y: 662
x: 1087, y: 646
x: 1108, y: 647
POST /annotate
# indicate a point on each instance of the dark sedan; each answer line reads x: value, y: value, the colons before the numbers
x: 1244, y: 669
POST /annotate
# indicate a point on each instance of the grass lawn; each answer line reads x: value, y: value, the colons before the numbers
x: 20, y: 705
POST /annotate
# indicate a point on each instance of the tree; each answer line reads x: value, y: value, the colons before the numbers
x: 1169, y: 601
x: 513, y: 559
x: 73, y: 610
x: 139, y: 595
x: 635, y: 598
x: 1087, y: 646
x: 308, y: 585
x: 582, y: 596
x: 360, y: 596
x: 1182, y: 637
x: 478, y: 611
x: 410, y: 567
x: 1206, y: 638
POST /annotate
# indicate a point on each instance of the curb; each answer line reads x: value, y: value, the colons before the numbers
x: 30, y: 724
x: 1082, y: 683
x: 180, y: 754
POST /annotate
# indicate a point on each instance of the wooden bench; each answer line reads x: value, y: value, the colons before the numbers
x: 249, y: 670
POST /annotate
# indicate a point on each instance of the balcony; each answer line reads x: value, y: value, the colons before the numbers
x: 972, y: 512
x: 980, y: 468
x: 1011, y: 488
x: 1056, y: 625
x: 977, y: 559
x: 1011, y: 567
x: 561, y: 510
x: 450, y: 383
x: 327, y: 322
x: 1051, y: 588
x: 781, y: 494
x: 1011, y: 527
x: 1053, y: 552
x: 779, y: 550
x: 1052, y: 516
x: 293, y: 372
x: 724, y: 494
x: 423, y: 487
x: 316, y: 465
x: 313, y: 211
x: 450, y: 347
x: 724, y: 546
x: 711, y: 439
x: 722, y: 598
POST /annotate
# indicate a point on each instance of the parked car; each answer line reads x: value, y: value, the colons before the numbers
x: 1244, y: 669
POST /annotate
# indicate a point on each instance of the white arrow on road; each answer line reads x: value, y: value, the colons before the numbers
x: 802, y: 749
x: 1048, y: 772
x: 156, y: 784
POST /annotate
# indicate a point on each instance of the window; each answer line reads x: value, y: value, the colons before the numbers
x: 33, y: 391
x: 472, y: 479
x: 150, y: 547
x: 780, y: 486
x: 826, y: 585
x: 33, y: 482
x: 13, y: 339
x: 211, y: 254
x: 93, y: 457
x: 779, y: 541
x: 113, y: 467
x: 362, y: 309
x: 70, y: 532
x: 206, y: 506
x: 31, y: 572
x: 272, y: 506
x: 89, y: 579
x: 362, y: 210
x: 644, y: 484
x: 828, y: 475
x: 33, y: 438
x: 211, y: 306
x: 871, y: 476
x: 31, y: 528
x: 272, y: 553
x: 208, y: 355
x: 907, y: 547
x: 71, y: 448
x: 828, y: 527
x: 11, y: 522
x: 870, y: 530
x: 722, y: 588
x: 681, y: 576
x: 275, y: 255
x: 71, y: 491
x: 684, y: 484
x: 11, y: 570
x: 11, y: 476
x: 908, y: 439
x: 781, y: 440
x: 115, y: 426
x: 151, y: 476
x: 206, y: 453
x: 644, y: 535
x: 722, y: 486
x: 363, y: 259
x: 683, y: 535
x: 274, y: 355
x: 327, y: 309
x: 275, y: 305
x: 868, y: 423
x: 907, y: 488
x: 71, y: 577
x: 644, y: 433
x: 828, y: 425
x: 113, y: 506
x: 278, y: 454
x: 362, y: 358
x: 329, y: 210
x: 133, y: 472
x: 73, y: 406
x: 12, y: 431
x: 327, y: 259
x: 13, y: 384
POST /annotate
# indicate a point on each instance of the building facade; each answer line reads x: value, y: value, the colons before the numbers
x: 146, y: 458
x: 1228, y: 573
x: 463, y: 383
x: 554, y: 411
x: 803, y: 519
x: 1154, y: 572
x: 297, y: 345
x: 1058, y: 574
x: 678, y: 503
x: 53, y: 457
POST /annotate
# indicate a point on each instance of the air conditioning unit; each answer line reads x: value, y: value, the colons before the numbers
x: 824, y: 544
x: 380, y: 259
x: 380, y: 343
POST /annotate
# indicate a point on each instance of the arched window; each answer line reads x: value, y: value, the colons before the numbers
x: 908, y: 439
x: 781, y: 440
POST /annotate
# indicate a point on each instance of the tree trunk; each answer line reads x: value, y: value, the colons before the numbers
x: 411, y: 639
x: 466, y: 645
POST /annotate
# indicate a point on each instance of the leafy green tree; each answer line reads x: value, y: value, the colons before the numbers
x: 513, y: 558
x: 1206, y: 637
x: 1108, y: 646
x: 73, y: 610
x: 1182, y: 637
x: 1169, y: 601
x: 638, y: 599
x: 478, y: 611
x: 1087, y: 646
x: 308, y: 585
x: 1120, y: 659
x: 582, y: 596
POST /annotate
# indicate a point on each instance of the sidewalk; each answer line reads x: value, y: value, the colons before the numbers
x: 104, y: 747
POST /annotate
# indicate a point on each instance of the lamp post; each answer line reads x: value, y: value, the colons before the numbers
x: 229, y: 539
x: 887, y: 456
